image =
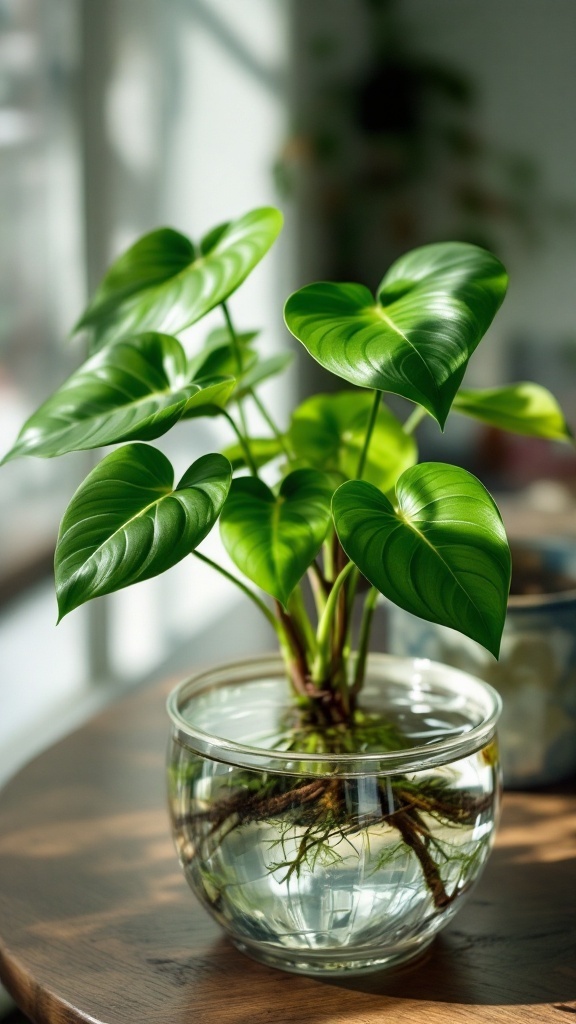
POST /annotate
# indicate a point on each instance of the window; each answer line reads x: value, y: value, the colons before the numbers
x: 115, y: 117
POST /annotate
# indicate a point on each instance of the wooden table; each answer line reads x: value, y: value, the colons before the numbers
x: 97, y: 923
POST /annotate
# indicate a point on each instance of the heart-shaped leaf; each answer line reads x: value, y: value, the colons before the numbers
x: 415, y: 340
x: 164, y: 283
x: 440, y: 551
x: 127, y: 522
x: 328, y: 431
x: 274, y: 538
x: 523, y: 408
x: 135, y: 391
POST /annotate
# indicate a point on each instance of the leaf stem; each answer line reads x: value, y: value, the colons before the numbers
x: 268, y: 614
x: 268, y: 419
x: 319, y: 587
x: 233, y: 337
x: 244, y: 443
x: 328, y: 559
x: 295, y: 656
x: 364, y: 638
x: 321, y: 662
x: 239, y: 362
x: 298, y: 611
x: 368, y: 435
x: 414, y: 419
x: 255, y: 398
x: 350, y: 602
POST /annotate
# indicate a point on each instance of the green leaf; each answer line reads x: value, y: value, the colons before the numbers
x: 440, y: 551
x: 263, y: 450
x: 274, y: 538
x: 523, y: 408
x: 127, y: 522
x: 154, y: 259
x: 219, y: 357
x: 220, y: 360
x: 162, y: 283
x: 135, y: 391
x: 328, y: 431
x: 210, y: 398
x: 415, y: 340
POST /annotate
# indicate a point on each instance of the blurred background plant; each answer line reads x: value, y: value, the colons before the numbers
x: 415, y: 123
x: 400, y: 128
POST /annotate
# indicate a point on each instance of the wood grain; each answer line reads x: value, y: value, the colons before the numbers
x: 97, y: 923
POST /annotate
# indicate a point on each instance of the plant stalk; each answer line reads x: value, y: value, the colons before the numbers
x: 268, y: 419
x: 298, y: 612
x: 368, y: 435
x: 288, y: 636
x: 295, y: 653
x: 322, y: 661
x: 370, y: 603
x: 414, y: 419
x: 319, y: 587
x: 276, y: 626
x: 244, y: 443
x: 328, y: 558
x: 234, y: 338
x: 240, y: 364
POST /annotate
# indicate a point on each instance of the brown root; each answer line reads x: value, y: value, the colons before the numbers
x: 319, y: 805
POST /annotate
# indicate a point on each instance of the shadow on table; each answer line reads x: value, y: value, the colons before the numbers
x: 518, y: 949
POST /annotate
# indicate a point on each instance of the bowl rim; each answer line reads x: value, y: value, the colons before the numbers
x: 414, y: 758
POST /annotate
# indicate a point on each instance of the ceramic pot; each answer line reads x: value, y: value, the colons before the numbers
x: 317, y: 861
x: 536, y: 672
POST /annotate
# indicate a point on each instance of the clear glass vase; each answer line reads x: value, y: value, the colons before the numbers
x: 319, y: 861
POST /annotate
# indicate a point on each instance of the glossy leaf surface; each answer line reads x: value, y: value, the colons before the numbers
x: 523, y: 408
x: 136, y: 391
x: 416, y: 338
x: 440, y: 551
x: 273, y: 538
x: 328, y: 431
x: 212, y: 396
x: 164, y: 283
x: 127, y: 522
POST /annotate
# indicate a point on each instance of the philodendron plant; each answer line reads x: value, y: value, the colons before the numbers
x: 350, y: 498
x: 320, y: 516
